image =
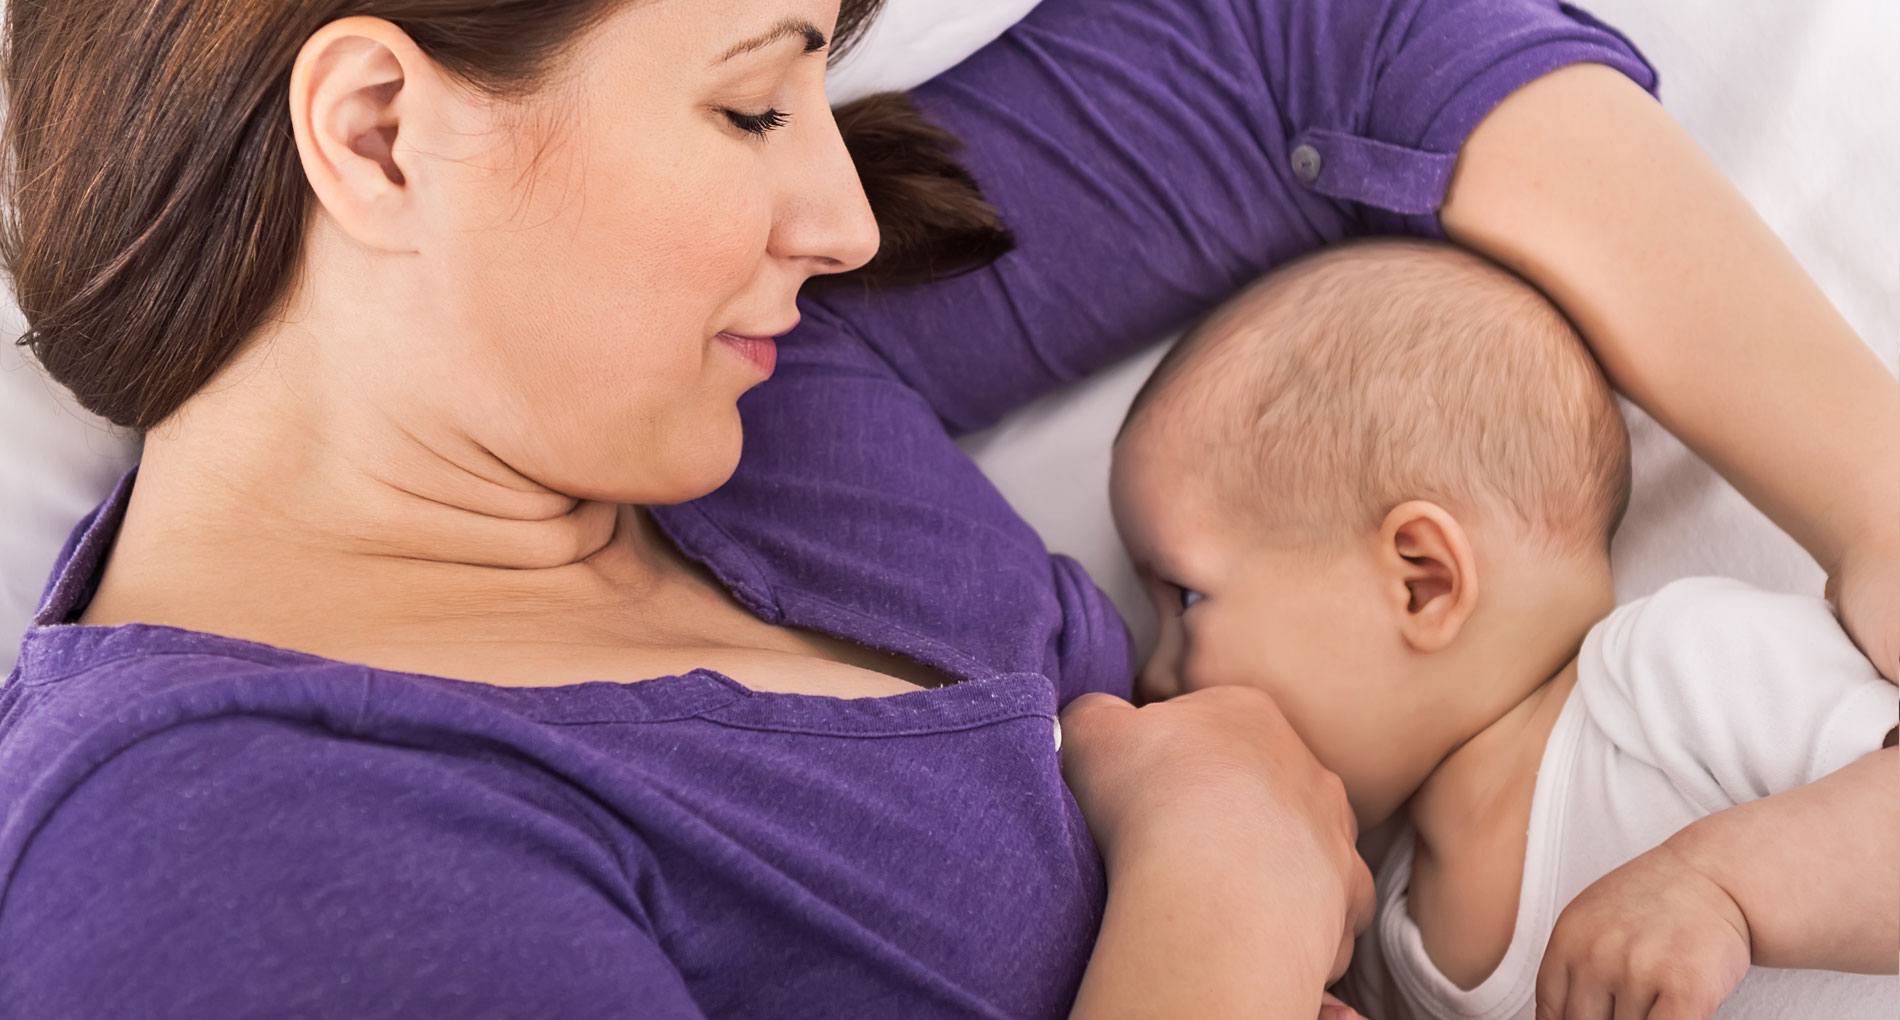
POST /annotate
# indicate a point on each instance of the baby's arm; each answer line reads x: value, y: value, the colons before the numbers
x: 1583, y: 184
x: 1812, y: 870
x: 1802, y: 880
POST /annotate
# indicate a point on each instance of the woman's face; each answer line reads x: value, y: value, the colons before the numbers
x: 619, y: 257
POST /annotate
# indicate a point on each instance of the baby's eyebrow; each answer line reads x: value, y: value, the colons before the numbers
x: 790, y: 27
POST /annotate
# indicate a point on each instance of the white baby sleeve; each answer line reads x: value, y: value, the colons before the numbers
x: 1733, y: 692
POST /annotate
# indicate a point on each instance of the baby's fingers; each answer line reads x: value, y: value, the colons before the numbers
x: 1684, y: 1007
x: 1553, y: 983
x: 1564, y: 993
x: 1583, y: 993
x: 1632, y: 1005
x: 1589, y: 1001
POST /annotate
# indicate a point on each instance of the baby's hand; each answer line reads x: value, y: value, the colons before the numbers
x: 1655, y: 938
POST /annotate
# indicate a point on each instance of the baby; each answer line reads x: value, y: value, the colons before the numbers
x: 1381, y: 485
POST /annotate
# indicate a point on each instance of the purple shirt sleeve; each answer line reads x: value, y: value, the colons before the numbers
x: 242, y: 866
x: 1152, y: 157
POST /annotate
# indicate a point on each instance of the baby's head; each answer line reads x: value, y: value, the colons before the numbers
x: 1380, y: 484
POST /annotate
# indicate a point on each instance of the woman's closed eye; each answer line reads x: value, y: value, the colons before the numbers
x: 757, y: 124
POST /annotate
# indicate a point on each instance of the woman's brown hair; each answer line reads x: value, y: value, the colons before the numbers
x: 156, y: 204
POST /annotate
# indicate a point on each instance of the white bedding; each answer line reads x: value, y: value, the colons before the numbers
x: 1794, y: 100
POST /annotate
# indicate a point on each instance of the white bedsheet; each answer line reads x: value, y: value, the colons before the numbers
x: 1794, y: 100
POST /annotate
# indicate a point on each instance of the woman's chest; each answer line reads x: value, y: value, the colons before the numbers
x: 688, y: 623
x: 798, y: 664
x: 797, y: 873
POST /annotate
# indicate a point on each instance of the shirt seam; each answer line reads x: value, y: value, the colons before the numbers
x: 960, y: 726
x: 759, y: 585
x: 231, y: 654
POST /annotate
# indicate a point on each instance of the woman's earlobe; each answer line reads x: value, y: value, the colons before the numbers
x: 1428, y: 554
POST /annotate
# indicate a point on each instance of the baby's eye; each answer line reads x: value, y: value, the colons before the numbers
x: 1188, y: 597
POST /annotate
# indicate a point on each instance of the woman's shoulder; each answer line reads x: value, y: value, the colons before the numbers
x: 82, y: 695
x: 229, y: 833
x: 109, y: 730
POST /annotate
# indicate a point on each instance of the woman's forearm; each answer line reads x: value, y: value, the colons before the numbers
x: 1813, y: 869
x: 1584, y: 185
x: 1196, y: 934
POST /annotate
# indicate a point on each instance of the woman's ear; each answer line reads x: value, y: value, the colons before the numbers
x: 347, y: 107
x: 1428, y: 568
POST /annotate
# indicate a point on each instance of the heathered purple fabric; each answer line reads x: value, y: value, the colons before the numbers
x: 196, y: 826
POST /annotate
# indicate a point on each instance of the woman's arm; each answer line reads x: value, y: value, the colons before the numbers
x: 1187, y: 933
x: 1154, y: 156
x: 1582, y: 183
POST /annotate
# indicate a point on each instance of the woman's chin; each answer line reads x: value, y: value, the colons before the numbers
x: 686, y: 472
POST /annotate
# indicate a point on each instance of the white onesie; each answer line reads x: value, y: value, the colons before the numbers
x: 1702, y: 696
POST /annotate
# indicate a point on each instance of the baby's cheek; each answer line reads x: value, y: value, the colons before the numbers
x: 1239, y: 660
x: 1212, y: 660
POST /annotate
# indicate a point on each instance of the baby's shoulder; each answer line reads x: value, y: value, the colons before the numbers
x: 1704, y: 605
x: 1732, y: 690
x: 1703, y: 630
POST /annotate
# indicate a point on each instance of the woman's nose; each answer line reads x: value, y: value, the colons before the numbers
x: 826, y: 221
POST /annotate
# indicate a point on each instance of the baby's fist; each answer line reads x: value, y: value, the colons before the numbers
x: 1655, y: 938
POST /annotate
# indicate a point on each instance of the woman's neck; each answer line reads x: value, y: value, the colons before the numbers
x: 308, y: 552
x: 333, y: 474
x: 260, y: 511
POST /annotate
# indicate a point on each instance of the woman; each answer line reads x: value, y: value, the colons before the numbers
x: 418, y: 673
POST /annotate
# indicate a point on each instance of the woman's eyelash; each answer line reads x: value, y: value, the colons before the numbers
x: 757, y: 124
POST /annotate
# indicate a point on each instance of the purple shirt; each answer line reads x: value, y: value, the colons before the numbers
x: 205, y: 827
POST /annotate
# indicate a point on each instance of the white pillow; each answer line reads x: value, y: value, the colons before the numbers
x: 57, y: 462
x: 913, y: 41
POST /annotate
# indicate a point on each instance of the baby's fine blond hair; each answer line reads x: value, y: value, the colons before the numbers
x: 1377, y: 372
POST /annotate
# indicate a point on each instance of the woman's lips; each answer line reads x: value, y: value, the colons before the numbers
x: 761, y: 351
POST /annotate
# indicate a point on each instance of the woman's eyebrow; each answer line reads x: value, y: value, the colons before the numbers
x: 814, y: 39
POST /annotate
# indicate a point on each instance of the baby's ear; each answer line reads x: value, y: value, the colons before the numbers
x: 1428, y: 570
